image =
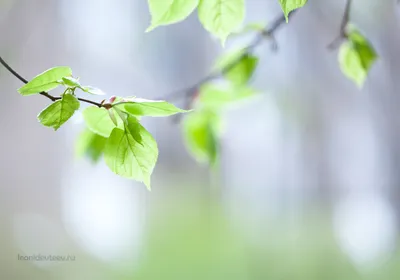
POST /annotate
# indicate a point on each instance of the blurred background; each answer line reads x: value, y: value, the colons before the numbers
x: 309, y: 182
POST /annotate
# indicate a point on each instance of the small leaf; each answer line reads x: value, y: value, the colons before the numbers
x: 92, y: 90
x: 164, y: 12
x: 221, y: 17
x: 59, y: 112
x: 201, y: 137
x: 90, y: 144
x: 46, y: 81
x: 214, y: 96
x: 291, y: 5
x: 130, y: 159
x: 356, y: 57
x: 113, y: 117
x: 243, y: 70
x: 98, y: 120
x: 70, y: 82
x: 151, y: 108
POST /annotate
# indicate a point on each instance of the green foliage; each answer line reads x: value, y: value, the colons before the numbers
x: 356, y: 57
x: 245, y: 65
x: 91, y: 145
x: 216, y: 97
x: 129, y: 158
x: 291, y: 5
x: 221, y: 17
x: 202, y: 129
x: 150, y: 108
x: 201, y: 135
x: 59, y: 112
x: 98, y: 120
x: 46, y: 81
x: 165, y: 12
x: 113, y: 127
x: 92, y: 90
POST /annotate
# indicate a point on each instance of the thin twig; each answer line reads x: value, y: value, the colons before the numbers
x: 267, y: 33
x: 342, y: 32
x: 49, y: 96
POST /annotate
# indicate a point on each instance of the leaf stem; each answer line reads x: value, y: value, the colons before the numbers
x: 49, y: 96
x: 342, y: 32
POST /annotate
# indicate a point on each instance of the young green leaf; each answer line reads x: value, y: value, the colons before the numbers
x: 221, y: 17
x: 127, y: 157
x: 59, y: 112
x: 214, y: 97
x: 356, y: 57
x: 291, y: 5
x: 91, y: 145
x: 113, y: 117
x: 99, y: 121
x: 151, y: 108
x: 164, y: 12
x: 46, y: 81
x: 200, y: 135
x: 70, y: 82
x: 92, y: 90
x: 244, y: 67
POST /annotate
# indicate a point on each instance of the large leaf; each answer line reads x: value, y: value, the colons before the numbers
x: 356, y: 57
x: 59, y: 112
x: 165, y: 12
x: 201, y: 136
x: 151, y: 108
x: 90, y: 144
x: 221, y: 17
x: 125, y: 156
x: 99, y: 121
x: 291, y: 5
x: 46, y: 81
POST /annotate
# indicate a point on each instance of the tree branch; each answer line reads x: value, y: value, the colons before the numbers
x: 49, y: 96
x: 267, y: 33
x: 342, y: 32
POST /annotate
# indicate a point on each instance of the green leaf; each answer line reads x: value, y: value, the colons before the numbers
x: 164, y: 12
x: 113, y: 117
x: 221, y: 17
x: 356, y: 57
x: 91, y: 145
x: 291, y: 5
x: 151, y: 108
x: 92, y: 90
x: 70, y: 82
x: 200, y: 135
x: 46, y: 81
x: 245, y: 65
x: 133, y: 127
x: 127, y: 157
x: 99, y: 121
x: 59, y: 112
x: 214, y: 96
